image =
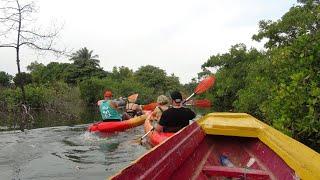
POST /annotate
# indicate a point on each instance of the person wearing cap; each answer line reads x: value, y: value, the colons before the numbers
x: 132, y: 109
x: 108, y: 108
x: 176, y: 117
x: 163, y: 104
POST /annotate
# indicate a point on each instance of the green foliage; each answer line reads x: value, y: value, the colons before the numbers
x: 84, y: 58
x: 293, y: 103
x: 121, y: 73
x: 65, y: 98
x: 151, y: 76
x: 93, y: 81
x: 54, y: 71
x: 172, y: 83
x: 22, y: 79
x: 189, y: 87
x: 85, y: 65
x: 300, y: 20
x: 91, y: 90
x: 36, y: 96
x: 5, y: 79
x: 231, y: 74
x: 9, y: 97
x: 130, y: 86
x: 282, y: 85
x: 147, y: 81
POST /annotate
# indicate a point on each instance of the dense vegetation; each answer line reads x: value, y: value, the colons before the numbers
x: 280, y: 84
x: 65, y: 88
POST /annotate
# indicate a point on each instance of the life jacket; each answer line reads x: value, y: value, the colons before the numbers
x: 129, y: 109
x: 158, y: 114
x: 107, y: 112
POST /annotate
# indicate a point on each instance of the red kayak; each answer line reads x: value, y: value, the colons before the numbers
x: 202, y: 103
x: 226, y: 145
x: 110, y: 127
x: 154, y: 137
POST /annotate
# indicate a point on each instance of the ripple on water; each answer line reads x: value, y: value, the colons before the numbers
x: 66, y: 153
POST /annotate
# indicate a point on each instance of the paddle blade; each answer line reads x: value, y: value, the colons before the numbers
x: 149, y: 107
x: 133, y: 98
x: 202, y: 103
x: 205, y: 84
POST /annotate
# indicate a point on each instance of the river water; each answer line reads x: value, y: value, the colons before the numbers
x: 67, y: 152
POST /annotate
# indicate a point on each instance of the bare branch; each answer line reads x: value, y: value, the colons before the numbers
x: 26, y: 39
x: 7, y: 46
x: 9, y: 17
x: 41, y: 35
x: 27, y: 6
x: 5, y: 8
x: 27, y: 9
x: 16, y: 20
x: 8, y: 30
x: 48, y: 48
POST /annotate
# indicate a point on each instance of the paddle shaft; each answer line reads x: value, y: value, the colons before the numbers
x: 146, y: 134
x: 188, y: 98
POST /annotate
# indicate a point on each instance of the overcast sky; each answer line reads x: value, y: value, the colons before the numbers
x: 175, y: 35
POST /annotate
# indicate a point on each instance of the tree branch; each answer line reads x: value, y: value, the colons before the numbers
x: 27, y: 39
x: 48, y: 48
x: 29, y: 6
x: 5, y: 8
x: 8, y: 19
x: 8, y: 30
x: 41, y: 35
x: 5, y: 45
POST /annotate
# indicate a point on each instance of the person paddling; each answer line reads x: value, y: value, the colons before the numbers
x: 108, y: 108
x: 163, y: 104
x: 132, y: 109
x: 176, y: 117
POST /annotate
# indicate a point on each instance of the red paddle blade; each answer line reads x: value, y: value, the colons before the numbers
x: 202, y: 103
x: 150, y: 107
x: 205, y: 84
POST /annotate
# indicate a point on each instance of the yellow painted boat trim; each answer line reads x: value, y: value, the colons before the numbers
x: 303, y: 160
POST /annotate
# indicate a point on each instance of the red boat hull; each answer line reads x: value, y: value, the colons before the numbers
x: 202, y: 103
x: 154, y: 137
x: 192, y: 154
x: 110, y: 127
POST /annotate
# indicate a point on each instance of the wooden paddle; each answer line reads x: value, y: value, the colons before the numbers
x: 203, y: 86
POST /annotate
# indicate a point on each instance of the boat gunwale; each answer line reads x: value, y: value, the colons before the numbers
x: 305, y: 164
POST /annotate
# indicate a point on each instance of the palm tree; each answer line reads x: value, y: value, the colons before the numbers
x: 84, y: 57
